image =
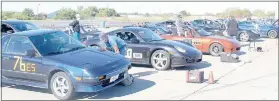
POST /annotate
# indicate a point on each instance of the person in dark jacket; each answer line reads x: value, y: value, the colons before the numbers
x: 76, y: 27
x: 232, y: 27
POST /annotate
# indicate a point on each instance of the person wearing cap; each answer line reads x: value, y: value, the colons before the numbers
x: 113, y: 43
x: 178, y: 24
x: 75, y: 26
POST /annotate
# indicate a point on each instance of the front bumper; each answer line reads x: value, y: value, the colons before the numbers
x: 103, y: 84
x: 185, y: 60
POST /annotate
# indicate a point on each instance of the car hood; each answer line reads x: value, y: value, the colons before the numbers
x: 86, y: 56
x: 224, y: 38
x: 190, y: 50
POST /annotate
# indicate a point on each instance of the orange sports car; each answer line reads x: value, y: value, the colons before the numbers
x: 204, y: 41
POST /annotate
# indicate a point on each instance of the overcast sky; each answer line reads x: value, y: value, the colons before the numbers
x: 143, y: 7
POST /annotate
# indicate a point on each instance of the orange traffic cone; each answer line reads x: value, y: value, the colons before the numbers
x: 211, y: 79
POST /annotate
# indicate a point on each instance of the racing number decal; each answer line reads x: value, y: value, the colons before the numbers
x: 129, y: 53
x: 25, y: 67
x: 193, y: 41
x: 196, y: 42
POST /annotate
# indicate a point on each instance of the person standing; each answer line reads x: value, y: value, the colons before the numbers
x: 232, y: 27
x: 113, y: 43
x: 75, y: 26
x: 178, y: 24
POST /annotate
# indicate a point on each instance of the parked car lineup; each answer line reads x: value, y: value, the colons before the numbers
x: 52, y: 59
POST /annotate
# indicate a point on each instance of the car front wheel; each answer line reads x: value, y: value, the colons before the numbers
x: 160, y: 60
x: 215, y: 49
x: 272, y: 34
x: 61, y: 86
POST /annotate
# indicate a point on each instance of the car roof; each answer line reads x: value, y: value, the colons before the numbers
x: 34, y: 32
x: 14, y: 21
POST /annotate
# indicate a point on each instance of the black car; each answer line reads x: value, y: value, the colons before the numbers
x: 12, y: 26
x: 146, y: 47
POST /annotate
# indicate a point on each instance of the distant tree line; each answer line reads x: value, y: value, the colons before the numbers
x: 26, y: 14
x: 240, y: 13
x: 92, y: 11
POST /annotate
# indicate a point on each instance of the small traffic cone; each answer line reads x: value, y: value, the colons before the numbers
x: 211, y: 79
x: 187, y: 76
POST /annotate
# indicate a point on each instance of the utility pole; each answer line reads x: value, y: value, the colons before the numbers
x: 38, y: 9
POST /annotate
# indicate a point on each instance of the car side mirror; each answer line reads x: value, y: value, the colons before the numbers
x: 31, y: 53
x: 134, y: 40
x: 10, y: 31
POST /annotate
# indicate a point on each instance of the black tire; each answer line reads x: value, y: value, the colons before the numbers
x: 215, y: 49
x: 166, y: 62
x: 272, y: 34
x: 243, y: 40
x: 128, y: 81
x: 70, y: 93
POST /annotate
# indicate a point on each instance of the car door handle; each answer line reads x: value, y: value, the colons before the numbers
x: 5, y: 58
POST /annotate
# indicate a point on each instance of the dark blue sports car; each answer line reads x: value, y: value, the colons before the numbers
x: 265, y: 30
x: 53, y: 60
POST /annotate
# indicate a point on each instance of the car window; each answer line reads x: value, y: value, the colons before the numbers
x: 130, y: 36
x: 24, y: 26
x: 5, y: 28
x: 19, y: 45
x: 4, y: 43
x: 121, y: 35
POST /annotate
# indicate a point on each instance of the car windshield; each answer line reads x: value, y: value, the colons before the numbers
x: 24, y: 26
x: 202, y: 32
x: 148, y: 24
x: 162, y: 31
x: 148, y: 35
x: 55, y: 43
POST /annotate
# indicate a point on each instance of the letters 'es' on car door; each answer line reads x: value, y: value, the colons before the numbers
x: 15, y: 62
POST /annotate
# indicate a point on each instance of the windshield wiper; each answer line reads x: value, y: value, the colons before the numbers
x: 76, y: 48
x: 53, y: 53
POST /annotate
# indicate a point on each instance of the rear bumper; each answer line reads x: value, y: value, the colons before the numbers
x: 185, y: 61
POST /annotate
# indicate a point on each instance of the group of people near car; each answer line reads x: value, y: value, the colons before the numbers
x: 231, y: 27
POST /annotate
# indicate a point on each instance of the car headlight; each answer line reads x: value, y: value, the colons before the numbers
x: 180, y: 49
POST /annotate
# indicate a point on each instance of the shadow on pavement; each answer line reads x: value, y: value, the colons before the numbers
x: 145, y: 73
x: 240, y: 53
x: 203, y: 64
x: 27, y: 88
x: 119, y: 90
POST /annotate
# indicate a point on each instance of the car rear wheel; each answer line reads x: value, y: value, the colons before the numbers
x: 160, y: 60
x: 244, y: 37
x: 215, y: 49
x: 272, y: 34
x: 61, y: 86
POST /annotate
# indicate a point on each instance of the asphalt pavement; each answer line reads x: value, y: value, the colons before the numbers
x: 254, y: 78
